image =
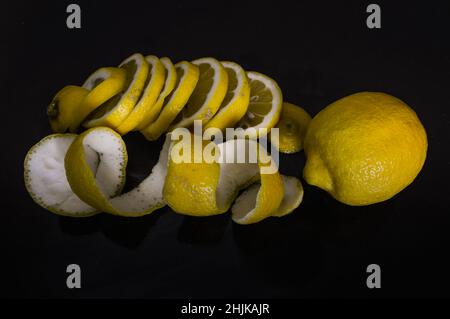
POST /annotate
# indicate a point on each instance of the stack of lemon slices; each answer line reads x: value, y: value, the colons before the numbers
x: 79, y: 175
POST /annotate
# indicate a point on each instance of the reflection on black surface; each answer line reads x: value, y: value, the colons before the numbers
x: 125, y: 231
x: 79, y: 226
x: 203, y: 230
x: 128, y: 231
x: 277, y: 256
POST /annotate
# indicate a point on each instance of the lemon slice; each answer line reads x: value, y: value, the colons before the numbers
x: 204, y: 189
x: 91, y: 183
x: 235, y: 103
x: 113, y: 112
x: 187, y: 77
x: 101, y: 85
x: 265, y: 105
x: 169, y: 85
x: 64, y: 107
x: 152, y: 88
x: 292, y: 126
x: 46, y: 181
x: 208, y: 94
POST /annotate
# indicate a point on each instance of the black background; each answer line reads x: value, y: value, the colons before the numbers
x: 318, y: 52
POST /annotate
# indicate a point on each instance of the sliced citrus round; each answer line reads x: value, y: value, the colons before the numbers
x: 46, y: 181
x: 208, y: 94
x: 169, y: 84
x: 63, y: 109
x: 101, y: 85
x: 265, y: 105
x: 236, y: 100
x: 113, y: 112
x: 152, y: 88
x: 292, y: 127
x: 293, y: 196
x: 91, y: 184
x: 187, y: 77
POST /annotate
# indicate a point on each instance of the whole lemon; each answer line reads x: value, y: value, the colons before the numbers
x: 364, y: 148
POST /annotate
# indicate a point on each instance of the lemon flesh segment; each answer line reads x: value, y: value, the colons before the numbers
x: 364, y: 148
x: 63, y: 109
x: 265, y: 105
x: 103, y: 84
x: 187, y: 78
x: 45, y: 177
x: 208, y: 95
x: 152, y: 88
x: 113, y: 112
x: 235, y: 104
x: 170, y: 76
x: 292, y: 126
x: 92, y: 185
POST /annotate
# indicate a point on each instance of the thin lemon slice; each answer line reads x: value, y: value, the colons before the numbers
x: 63, y: 109
x: 265, y: 105
x: 113, y: 112
x: 187, y: 77
x: 101, y: 85
x: 90, y: 183
x: 236, y: 101
x: 46, y: 181
x: 292, y: 127
x: 208, y: 94
x: 169, y: 85
x: 152, y: 88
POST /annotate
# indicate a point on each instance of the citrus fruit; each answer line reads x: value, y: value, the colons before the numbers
x: 46, y: 181
x: 92, y: 183
x: 209, y: 188
x: 114, y: 111
x: 364, y: 148
x: 208, y: 94
x: 63, y: 108
x: 292, y: 127
x: 187, y: 77
x: 236, y: 100
x: 104, y: 84
x: 170, y: 76
x: 152, y: 88
x: 265, y: 105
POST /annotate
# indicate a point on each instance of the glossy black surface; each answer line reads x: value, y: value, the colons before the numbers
x: 318, y: 52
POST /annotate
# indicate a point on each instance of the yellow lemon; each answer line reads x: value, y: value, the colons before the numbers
x: 169, y: 84
x: 205, y: 187
x: 114, y: 111
x: 292, y: 127
x: 103, y: 84
x: 208, y: 94
x: 186, y: 80
x: 364, y: 148
x: 264, y: 108
x: 152, y: 88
